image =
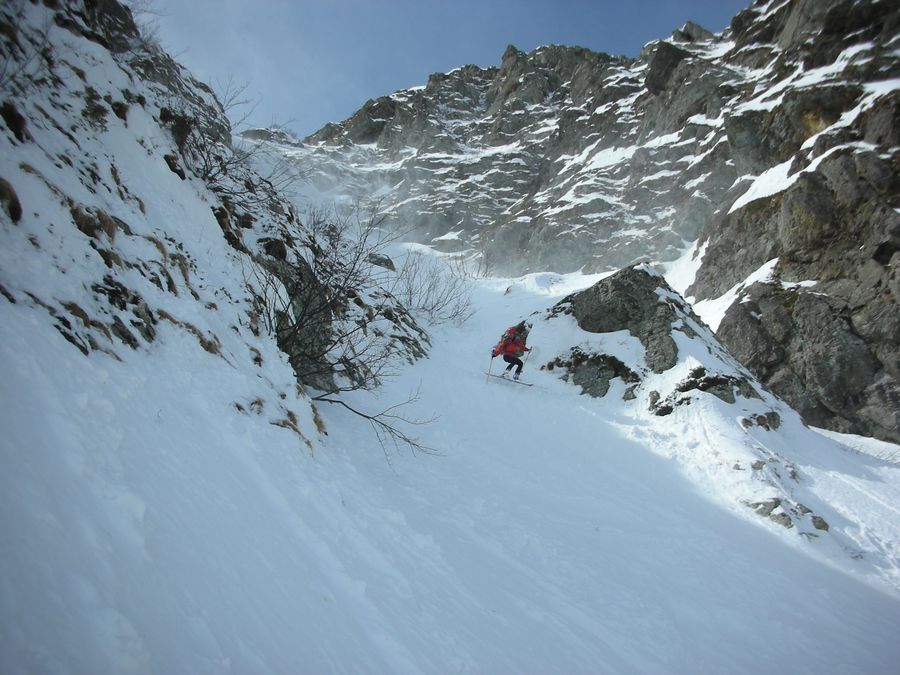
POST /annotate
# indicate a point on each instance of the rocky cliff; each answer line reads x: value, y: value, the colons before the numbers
x: 774, y: 140
x: 127, y: 213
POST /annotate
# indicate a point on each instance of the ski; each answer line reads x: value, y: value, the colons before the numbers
x: 509, y: 379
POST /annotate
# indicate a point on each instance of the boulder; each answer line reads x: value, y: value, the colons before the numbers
x: 594, y: 372
x: 381, y: 260
x: 636, y: 300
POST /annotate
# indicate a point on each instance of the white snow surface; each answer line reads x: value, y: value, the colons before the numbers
x: 769, y: 182
x: 712, y: 311
x: 152, y: 528
x: 165, y: 509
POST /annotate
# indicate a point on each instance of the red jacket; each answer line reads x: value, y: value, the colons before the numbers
x: 511, y: 344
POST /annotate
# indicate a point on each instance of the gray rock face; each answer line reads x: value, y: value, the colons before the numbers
x: 806, y: 352
x: 565, y: 158
x: 593, y: 372
x: 830, y: 349
x: 554, y: 160
x: 630, y: 300
x: 665, y: 59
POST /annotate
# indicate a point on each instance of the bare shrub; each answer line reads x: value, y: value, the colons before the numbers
x: 435, y: 286
x: 332, y: 312
x: 316, y: 305
x: 25, y: 54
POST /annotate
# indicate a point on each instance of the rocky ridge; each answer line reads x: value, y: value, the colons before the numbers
x: 775, y: 139
x: 97, y: 123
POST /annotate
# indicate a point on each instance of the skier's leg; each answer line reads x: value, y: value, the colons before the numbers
x: 518, y: 363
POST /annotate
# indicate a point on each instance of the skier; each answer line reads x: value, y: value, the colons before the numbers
x: 512, y: 346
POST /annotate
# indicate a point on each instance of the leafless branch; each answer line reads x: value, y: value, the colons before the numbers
x: 384, y: 424
x: 25, y: 54
x: 436, y: 286
x: 237, y: 105
x: 332, y: 313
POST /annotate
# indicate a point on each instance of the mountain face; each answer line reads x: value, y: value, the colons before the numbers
x: 768, y: 152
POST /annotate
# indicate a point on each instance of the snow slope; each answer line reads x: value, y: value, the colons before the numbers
x: 172, y: 502
x: 153, y: 528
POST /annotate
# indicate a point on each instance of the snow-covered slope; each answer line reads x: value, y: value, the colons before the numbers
x: 172, y: 502
x: 154, y: 528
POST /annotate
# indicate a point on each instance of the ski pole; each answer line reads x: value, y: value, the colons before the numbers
x: 490, y: 365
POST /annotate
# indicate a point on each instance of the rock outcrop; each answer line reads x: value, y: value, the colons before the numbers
x: 680, y: 371
x: 97, y: 122
x: 808, y: 351
x: 638, y: 300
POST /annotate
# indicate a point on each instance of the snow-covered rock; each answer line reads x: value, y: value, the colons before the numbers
x: 634, y: 343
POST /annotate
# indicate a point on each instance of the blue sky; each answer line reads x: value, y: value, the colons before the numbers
x: 309, y: 62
